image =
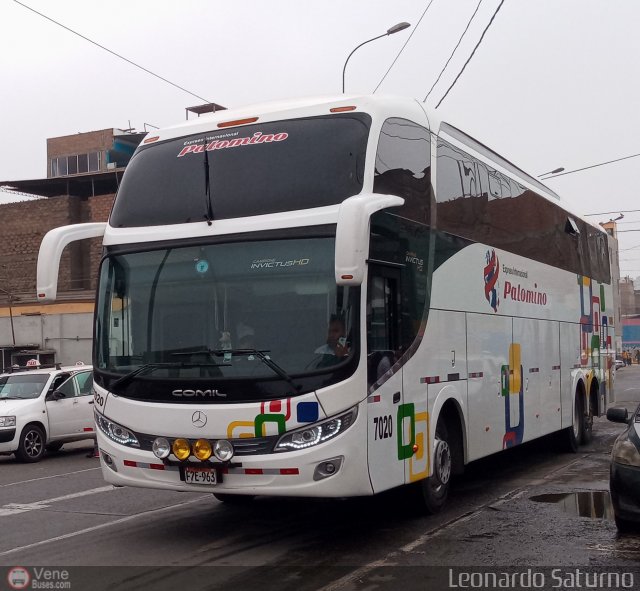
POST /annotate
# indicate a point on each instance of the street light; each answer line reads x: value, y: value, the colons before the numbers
x: 555, y: 171
x: 395, y: 29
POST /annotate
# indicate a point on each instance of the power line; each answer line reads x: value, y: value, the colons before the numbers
x: 112, y: 52
x: 616, y: 211
x: 592, y: 166
x: 472, y: 53
x: 454, y: 50
x: 402, y: 48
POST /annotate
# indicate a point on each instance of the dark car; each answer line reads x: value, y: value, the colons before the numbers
x: 624, y: 479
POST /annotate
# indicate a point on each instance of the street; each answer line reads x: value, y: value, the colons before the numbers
x: 527, y: 507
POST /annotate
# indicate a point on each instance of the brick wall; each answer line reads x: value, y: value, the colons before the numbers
x: 79, y: 143
x: 22, y: 227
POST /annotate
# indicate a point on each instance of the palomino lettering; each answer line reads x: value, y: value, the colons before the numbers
x: 256, y: 138
x: 519, y: 294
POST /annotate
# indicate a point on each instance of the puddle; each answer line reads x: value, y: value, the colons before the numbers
x: 594, y: 504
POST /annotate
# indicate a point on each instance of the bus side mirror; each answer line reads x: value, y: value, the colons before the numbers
x: 53, y: 243
x: 352, y: 234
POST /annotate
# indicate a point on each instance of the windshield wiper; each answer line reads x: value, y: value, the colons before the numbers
x: 148, y: 367
x: 11, y: 398
x: 207, y: 186
x: 260, y: 354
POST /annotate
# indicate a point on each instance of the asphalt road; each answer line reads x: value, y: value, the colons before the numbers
x: 531, y: 507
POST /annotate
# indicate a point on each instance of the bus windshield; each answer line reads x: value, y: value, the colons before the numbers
x: 244, y: 171
x: 249, y: 312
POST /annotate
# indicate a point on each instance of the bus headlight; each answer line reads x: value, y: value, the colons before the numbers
x: 223, y: 450
x: 318, y: 433
x: 116, y: 432
x: 161, y: 448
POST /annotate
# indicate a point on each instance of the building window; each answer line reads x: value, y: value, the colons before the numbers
x: 83, y: 162
x: 94, y: 161
x: 75, y: 164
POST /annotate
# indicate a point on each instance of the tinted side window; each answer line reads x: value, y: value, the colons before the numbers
x: 483, y: 205
x: 403, y: 167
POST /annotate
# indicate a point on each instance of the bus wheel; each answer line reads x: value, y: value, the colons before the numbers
x: 31, y: 446
x: 572, y: 436
x: 436, y: 488
x: 233, y: 499
x: 587, y: 424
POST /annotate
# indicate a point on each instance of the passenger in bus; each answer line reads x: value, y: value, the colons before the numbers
x: 335, y: 349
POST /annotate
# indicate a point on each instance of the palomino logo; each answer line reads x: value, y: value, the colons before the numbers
x: 199, y: 393
x: 491, y: 274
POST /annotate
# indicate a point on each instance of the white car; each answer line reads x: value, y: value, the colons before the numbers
x: 44, y: 408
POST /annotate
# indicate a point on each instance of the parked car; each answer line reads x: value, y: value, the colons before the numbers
x: 44, y: 408
x: 624, y: 476
x: 619, y: 363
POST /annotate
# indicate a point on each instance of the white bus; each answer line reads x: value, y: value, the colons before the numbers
x: 333, y: 298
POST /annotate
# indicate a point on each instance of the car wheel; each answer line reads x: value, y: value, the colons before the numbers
x: 54, y: 447
x: 31, y: 447
x: 233, y: 499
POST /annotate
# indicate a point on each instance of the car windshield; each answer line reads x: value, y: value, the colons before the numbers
x: 22, y: 386
x: 261, y: 310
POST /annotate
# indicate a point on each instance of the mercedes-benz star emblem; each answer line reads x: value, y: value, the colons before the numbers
x: 199, y: 419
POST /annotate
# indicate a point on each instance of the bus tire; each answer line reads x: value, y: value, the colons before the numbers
x: 435, y: 489
x: 233, y: 499
x: 31, y: 446
x: 571, y: 437
x: 587, y: 422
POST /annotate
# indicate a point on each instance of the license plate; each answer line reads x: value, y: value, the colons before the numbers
x: 200, y: 475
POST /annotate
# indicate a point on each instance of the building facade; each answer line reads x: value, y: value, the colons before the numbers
x: 83, y: 174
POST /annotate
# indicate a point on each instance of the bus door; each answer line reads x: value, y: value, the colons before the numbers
x: 384, y: 401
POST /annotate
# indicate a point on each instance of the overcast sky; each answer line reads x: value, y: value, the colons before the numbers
x: 554, y: 83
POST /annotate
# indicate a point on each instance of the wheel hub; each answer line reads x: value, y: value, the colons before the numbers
x: 442, y: 459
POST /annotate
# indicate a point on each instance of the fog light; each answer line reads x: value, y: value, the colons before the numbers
x: 202, y: 449
x: 161, y: 448
x: 327, y: 468
x: 181, y: 449
x: 223, y: 450
x: 108, y: 460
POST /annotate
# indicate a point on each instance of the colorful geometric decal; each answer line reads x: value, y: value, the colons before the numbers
x: 262, y: 421
x: 413, y: 427
x: 512, y: 386
x: 419, y: 461
x: 308, y: 412
x: 275, y: 418
x: 406, y: 411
